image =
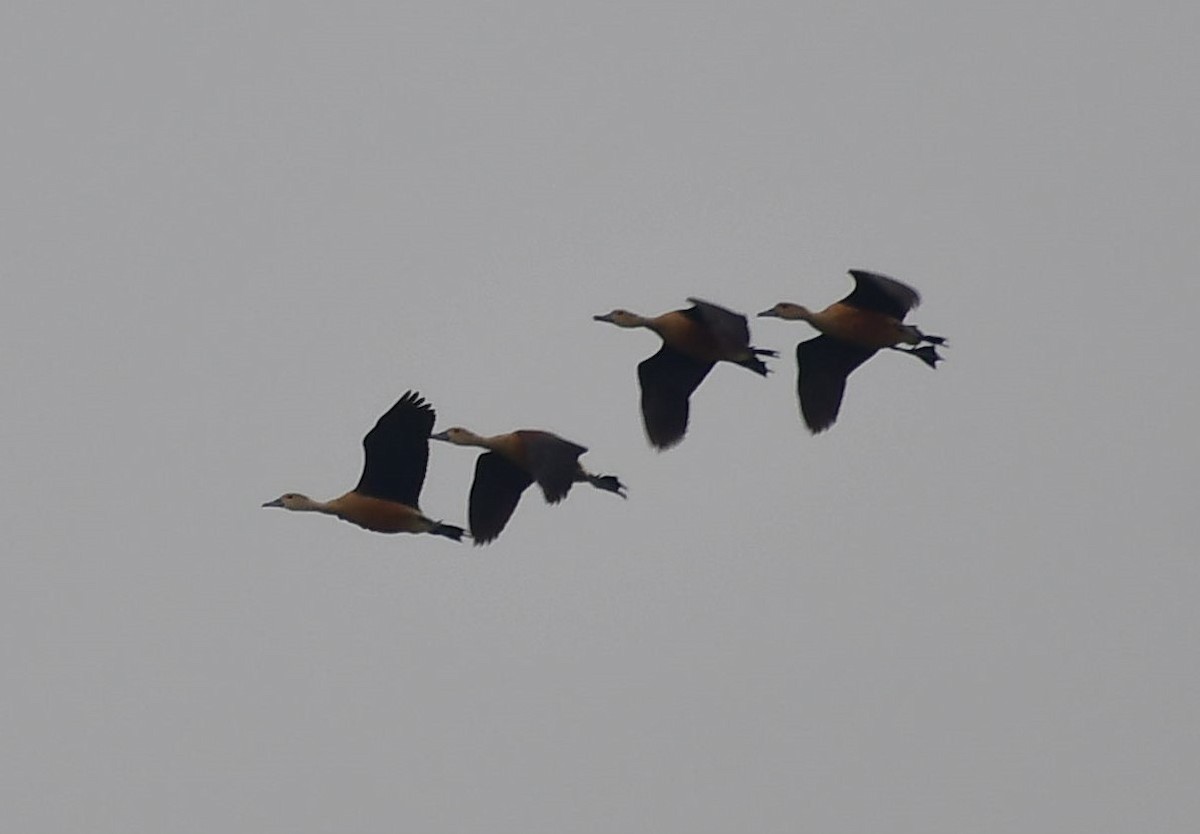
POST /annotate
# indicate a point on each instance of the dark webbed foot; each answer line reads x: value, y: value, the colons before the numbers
x: 754, y: 364
x: 926, y: 353
x: 608, y: 483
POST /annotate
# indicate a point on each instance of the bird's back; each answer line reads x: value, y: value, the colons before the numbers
x: 552, y: 461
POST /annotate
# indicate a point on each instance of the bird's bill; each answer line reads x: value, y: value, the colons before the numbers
x: 278, y: 502
x: 442, y: 435
x: 606, y: 317
x: 770, y: 313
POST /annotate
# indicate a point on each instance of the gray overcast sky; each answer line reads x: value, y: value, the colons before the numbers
x: 233, y: 233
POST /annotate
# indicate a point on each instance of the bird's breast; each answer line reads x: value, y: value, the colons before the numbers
x: 512, y: 445
x: 379, y: 515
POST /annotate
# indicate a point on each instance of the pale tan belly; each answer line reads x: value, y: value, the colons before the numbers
x: 378, y: 515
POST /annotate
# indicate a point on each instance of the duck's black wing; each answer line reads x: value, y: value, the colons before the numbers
x: 730, y: 329
x: 494, y: 495
x: 881, y: 294
x: 667, y: 379
x: 397, y: 451
x: 824, y: 364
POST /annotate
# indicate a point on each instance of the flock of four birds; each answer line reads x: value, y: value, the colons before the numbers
x: 385, y: 500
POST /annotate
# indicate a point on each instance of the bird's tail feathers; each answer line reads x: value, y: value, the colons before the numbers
x: 926, y: 353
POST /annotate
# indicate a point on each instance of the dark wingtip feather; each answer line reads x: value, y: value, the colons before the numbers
x: 663, y: 439
x: 416, y: 402
x: 816, y: 425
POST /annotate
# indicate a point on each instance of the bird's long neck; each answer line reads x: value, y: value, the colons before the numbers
x: 492, y: 443
x: 802, y: 313
x: 820, y: 319
x: 631, y: 321
x: 308, y: 505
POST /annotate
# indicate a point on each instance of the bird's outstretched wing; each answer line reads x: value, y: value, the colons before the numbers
x: 668, y: 379
x: 881, y: 294
x: 397, y: 451
x: 494, y: 495
x: 729, y: 328
x: 824, y: 364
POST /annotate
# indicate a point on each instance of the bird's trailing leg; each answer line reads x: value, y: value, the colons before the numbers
x: 914, y: 336
x: 448, y: 530
x: 926, y: 353
x: 754, y: 363
x: 608, y: 483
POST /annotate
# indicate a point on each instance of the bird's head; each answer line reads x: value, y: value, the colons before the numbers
x: 622, y: 318
x: 788, y: 310
x: 291, y: 501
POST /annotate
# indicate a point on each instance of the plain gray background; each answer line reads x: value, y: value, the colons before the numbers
x: 234, y: 233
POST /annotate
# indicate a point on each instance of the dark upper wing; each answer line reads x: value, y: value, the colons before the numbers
x: 668, y: 378
x: 824, y: 365
x: 881, y: 294
x: 552, y: 461
x: 729, y: 328
x: 397, y: 451
x: 495, y: 492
